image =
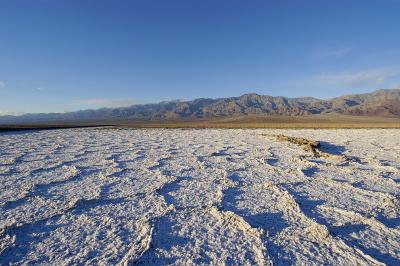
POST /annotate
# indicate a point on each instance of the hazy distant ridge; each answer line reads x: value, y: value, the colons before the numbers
x: 379, y: 103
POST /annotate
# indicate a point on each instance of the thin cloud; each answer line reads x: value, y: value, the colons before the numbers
x: 101, y: 102
x: 337, y: 52
x: 356, y: 79
x: 2, y: 83
x: 40, y: 89
x: 5, y: 112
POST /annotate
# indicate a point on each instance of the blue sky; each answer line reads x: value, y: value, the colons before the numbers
x: 58, y: 56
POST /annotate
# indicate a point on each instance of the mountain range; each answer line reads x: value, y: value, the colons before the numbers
x: 385, y: 103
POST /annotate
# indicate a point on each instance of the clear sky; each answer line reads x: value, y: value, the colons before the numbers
x: 73, y: 54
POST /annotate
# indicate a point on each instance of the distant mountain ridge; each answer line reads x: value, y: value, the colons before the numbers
x: 378, y: 103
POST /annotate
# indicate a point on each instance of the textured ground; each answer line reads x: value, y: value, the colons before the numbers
x: 234, y: 197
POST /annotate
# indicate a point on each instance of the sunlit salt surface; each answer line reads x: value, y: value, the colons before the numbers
x: 185, y: 197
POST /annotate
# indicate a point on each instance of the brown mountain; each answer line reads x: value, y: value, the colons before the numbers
x: 379, y: 103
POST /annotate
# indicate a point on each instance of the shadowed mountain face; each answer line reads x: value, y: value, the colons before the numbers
x: 378, y: 103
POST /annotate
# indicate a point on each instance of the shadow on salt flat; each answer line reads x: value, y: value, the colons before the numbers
x: 172, y: 187
x: 220, y: 153
x: 20, y: 132
x: 345, y: 233
x: 29, y: 235
x: 310, y: 172
x: 338, y: 150
x: 25, y: 237
x: 43, y: 188
x: 331, y: 148
x: 389, y: 222
x: 165, y: 239
x: 272, y: 223
x: 308, y: 207
x: 272, y: 161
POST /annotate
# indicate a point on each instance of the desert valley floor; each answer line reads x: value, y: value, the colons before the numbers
x: 191, y: 197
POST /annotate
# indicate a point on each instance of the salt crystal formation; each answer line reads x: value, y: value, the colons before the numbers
x: 192, y: 197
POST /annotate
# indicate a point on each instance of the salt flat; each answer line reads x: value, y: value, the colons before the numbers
x: 192, y: 197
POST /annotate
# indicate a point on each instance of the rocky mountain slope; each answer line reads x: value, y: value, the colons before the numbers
x: 379, y: 103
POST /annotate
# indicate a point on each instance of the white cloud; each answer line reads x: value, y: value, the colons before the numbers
x: 5, y: 112
x: 356, y: 79
x: 2, y: 83
x: 100, y: 102
x: 40, y: 89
